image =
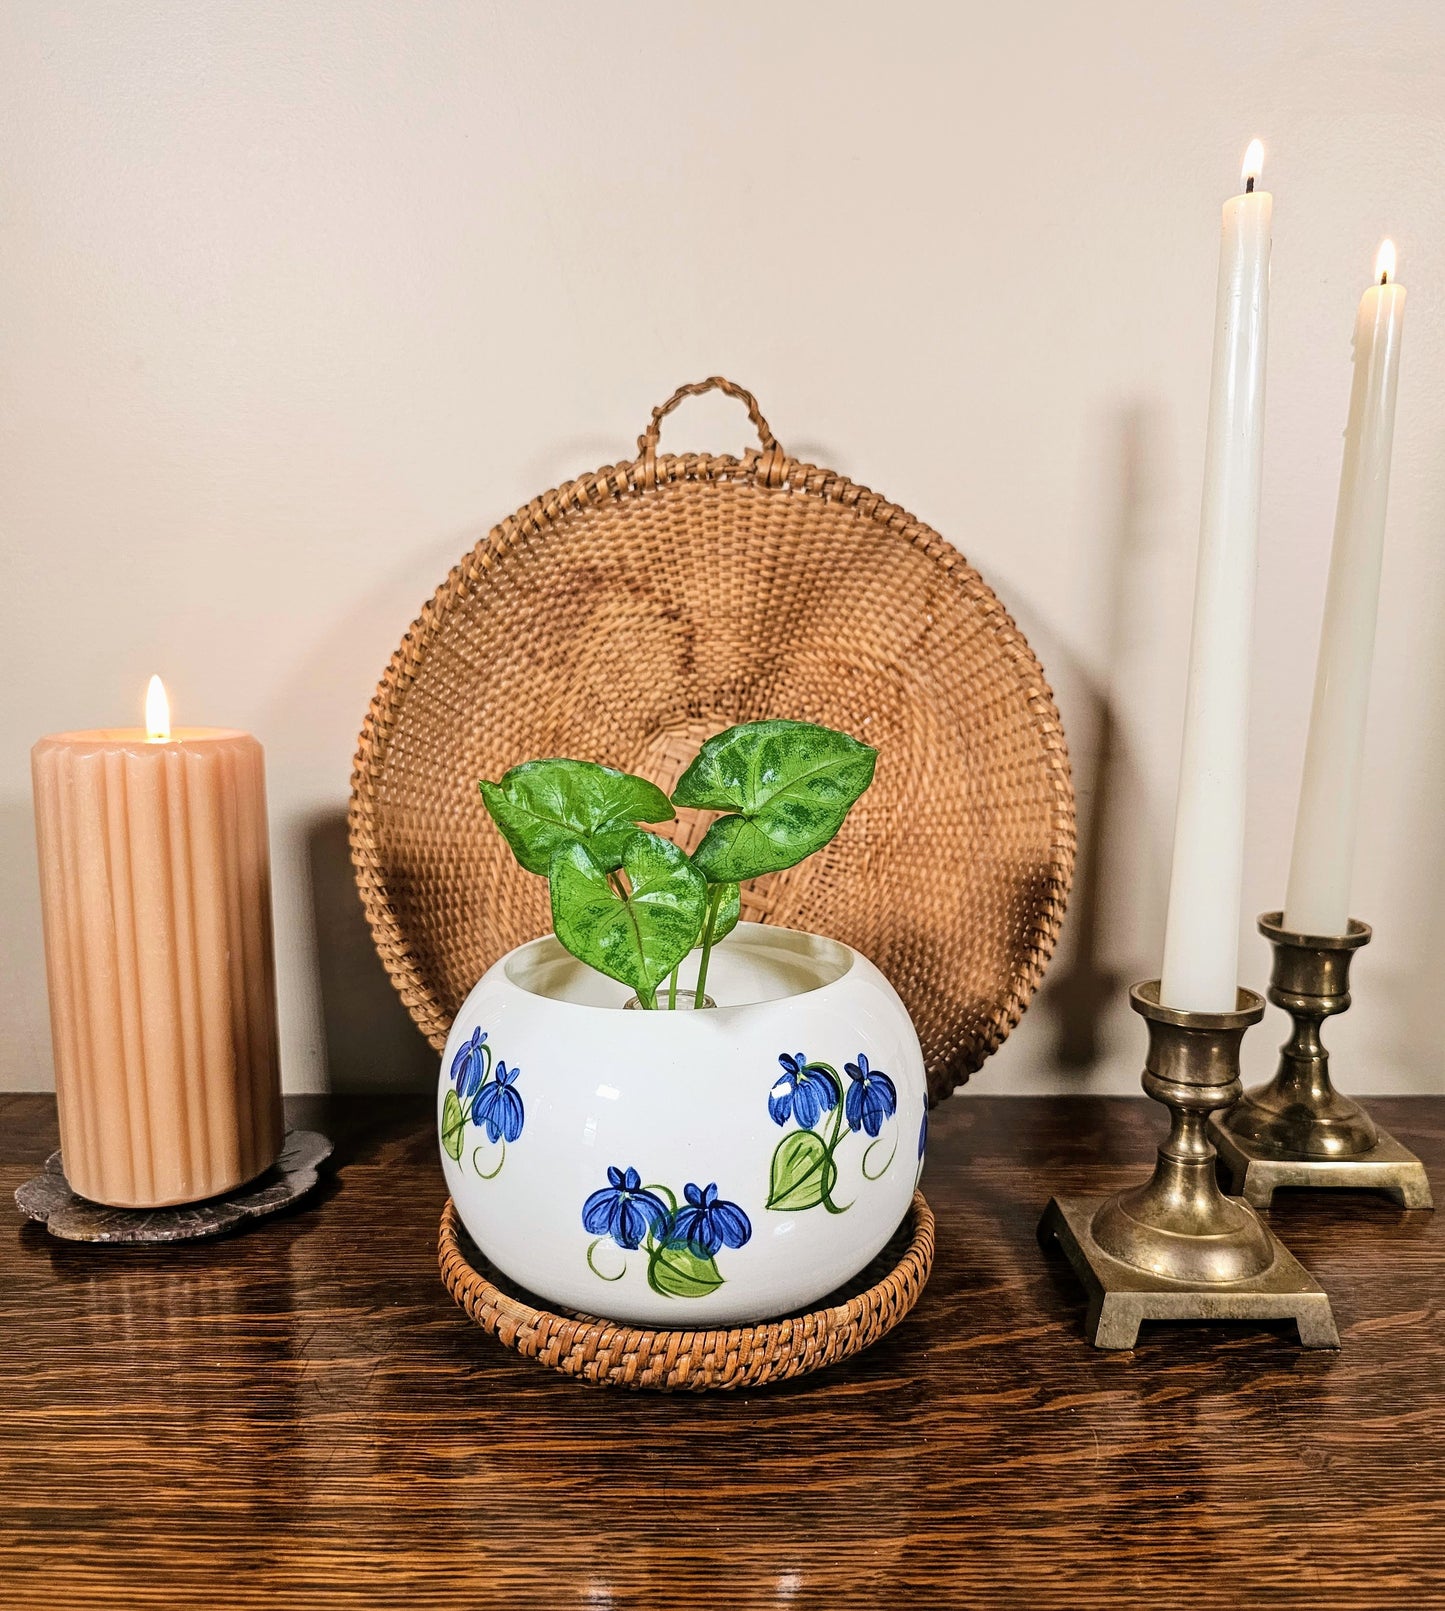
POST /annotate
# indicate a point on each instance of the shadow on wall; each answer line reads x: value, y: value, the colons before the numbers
x: 368, y: 1038
x: 1118, y: 867
x: 371, y: 1042
x: 25, y: 1054
x: 1407, y: 1000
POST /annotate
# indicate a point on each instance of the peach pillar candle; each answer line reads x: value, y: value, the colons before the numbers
x: 155, y: 890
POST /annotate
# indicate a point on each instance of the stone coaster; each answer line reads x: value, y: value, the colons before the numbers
x: 49, y: 1199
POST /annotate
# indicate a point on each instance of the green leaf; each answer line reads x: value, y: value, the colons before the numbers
x: 728, y: 914
x: 677, y: 1272
x: 543, y: 805
x: 637, y: 938
x: 803, y: 1174
x: 453, y: 1123
x: 789, y: 786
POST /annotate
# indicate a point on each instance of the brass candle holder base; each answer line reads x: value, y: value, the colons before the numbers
x: 1298, y: 1130
x: 1176, y: 1248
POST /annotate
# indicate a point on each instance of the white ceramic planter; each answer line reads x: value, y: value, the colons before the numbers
x: 684, y: 1169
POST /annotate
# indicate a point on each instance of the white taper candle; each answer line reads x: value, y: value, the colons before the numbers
x: 1201, y: 937
x: 1317, y: 897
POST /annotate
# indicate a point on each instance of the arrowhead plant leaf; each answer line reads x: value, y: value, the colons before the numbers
x: 786, y: 786
x: 637, y: 935
x: 541, y: 806
x: 728, y: 913
x: 632, y: 904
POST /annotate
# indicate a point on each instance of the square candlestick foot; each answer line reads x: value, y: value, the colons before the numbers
x: 1175, y: 1247
x: 1255, y: 1173
x: 1299, y: 1130
x: 1121, y: 1296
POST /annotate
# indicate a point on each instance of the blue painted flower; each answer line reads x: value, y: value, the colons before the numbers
x: 706, y: 1223
x: 923, y: 1132
x: 623, y: 1210
x: 802, y: 1093
x: 498, y: 1106
x: 470, y: 1064
x: 871, y: 1097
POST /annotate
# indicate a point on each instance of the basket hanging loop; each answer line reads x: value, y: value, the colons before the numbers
x: 773, y: 454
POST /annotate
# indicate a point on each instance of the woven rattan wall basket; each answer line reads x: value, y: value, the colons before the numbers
x: 630, y: 614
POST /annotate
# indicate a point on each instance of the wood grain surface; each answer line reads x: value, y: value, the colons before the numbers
x: 299, y: 1416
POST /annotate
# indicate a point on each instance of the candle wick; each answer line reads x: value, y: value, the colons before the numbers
x: 1249, y: 185
x: 1384, y: 279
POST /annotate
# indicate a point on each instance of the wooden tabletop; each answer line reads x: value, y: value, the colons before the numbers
x: 299, y: 1416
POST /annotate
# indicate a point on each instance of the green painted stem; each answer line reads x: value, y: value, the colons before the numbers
x: 835, y: 1138
x: 838, y: 1109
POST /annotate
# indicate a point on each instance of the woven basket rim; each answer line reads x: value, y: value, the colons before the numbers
x: 779, y: 1349
x: 770, y: 468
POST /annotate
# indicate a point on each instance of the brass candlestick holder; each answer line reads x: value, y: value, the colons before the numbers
x: 1299, y: 1130
x: 1176, y: 1248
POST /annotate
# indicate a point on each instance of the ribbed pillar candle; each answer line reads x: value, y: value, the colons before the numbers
x: 155, y: 886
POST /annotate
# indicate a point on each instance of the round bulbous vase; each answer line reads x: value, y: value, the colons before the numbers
x: 684, y: 1168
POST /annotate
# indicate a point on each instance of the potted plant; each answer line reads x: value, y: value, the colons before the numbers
x: 660, y: 1114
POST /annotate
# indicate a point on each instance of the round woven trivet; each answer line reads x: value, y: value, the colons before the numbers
x: 630, y: 614
x: 607, y: 1353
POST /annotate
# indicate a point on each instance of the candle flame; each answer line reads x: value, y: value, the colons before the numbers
x: 1253, y: 165
x: 158, y: 710
x: 1385, y: 262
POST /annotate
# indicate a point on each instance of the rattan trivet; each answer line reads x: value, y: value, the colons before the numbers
x: 606, y: 1353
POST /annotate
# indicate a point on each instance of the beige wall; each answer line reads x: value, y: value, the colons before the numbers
x: 300, y: 297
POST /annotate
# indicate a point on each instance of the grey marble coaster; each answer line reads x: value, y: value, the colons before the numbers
x: 49, y: 1199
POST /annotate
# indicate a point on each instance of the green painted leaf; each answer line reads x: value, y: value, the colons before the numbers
x: 543, y: 805
x: 788, y: 787
x: 637, y: 938
x: 803, y: 1173
x: 678, y: 1272
x: 453, y: 1124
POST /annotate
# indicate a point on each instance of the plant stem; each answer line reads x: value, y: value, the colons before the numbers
x: 714, y: 901
x: 672, y: 989
x: 648, y: 998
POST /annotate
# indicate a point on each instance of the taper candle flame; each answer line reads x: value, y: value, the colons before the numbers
x: 1385, y: 262
x: 158, y: 711
x: 1253, y: 165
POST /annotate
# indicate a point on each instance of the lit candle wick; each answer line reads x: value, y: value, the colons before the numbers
x: 1253, y: 166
